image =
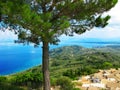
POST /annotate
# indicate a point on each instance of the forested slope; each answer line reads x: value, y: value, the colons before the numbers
x: 67, y: 61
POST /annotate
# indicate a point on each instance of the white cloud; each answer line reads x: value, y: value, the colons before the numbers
x: 115, y: 12
x: 102, y: 33
x: 7, y: 35
x: 110, y: 31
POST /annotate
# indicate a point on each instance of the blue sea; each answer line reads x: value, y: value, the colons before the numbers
x: 18, y: 57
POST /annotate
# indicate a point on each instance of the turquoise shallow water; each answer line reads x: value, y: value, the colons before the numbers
x: 15, y: 57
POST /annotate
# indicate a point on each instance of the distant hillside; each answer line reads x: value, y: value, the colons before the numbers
x: 111, y: 48
x: 68, y: 61
x: 83, y: 60
x: 74, y: 51
x: 69, y: 52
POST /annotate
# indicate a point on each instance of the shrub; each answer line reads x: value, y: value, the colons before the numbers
x: 65, y: 83
x: 3, y: 79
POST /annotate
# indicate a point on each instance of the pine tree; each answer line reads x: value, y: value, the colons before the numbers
x: 37, y: 21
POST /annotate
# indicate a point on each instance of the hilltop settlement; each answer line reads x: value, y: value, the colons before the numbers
x: 103, y: 80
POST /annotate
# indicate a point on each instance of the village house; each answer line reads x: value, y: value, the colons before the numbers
x: 104, y: 79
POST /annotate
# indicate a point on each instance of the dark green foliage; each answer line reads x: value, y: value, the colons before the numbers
x: 107, y: 65
x: 3, y: 79
x: 65, y: 83
x: 6, y: 85
x: 74, y: 73
x: 101, y: 22
x: 9, y: 87
x: 53, y: 81
x: 56, y: 63
x: 29, y: 79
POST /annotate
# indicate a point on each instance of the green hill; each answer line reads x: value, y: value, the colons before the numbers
x: 84, y: 60
x: 68, y: 61
x: 112, y: 49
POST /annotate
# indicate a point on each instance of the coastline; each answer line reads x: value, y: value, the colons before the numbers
x: 34, y: 62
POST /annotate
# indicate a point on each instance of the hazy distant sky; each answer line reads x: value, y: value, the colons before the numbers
x: 111, y: 31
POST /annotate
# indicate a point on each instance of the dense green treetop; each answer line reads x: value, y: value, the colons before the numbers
x: 45, y: 20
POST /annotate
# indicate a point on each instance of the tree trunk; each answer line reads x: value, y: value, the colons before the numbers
x: 0, y: 17
x: 45, y: 66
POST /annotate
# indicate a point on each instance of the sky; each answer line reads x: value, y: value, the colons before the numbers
x: 109, y: 32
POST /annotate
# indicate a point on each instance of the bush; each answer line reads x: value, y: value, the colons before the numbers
x: 29, y: 79
x: 53, y: 81
x: 9, y: 87
x: 65, y: 83
x: 3, y: 79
